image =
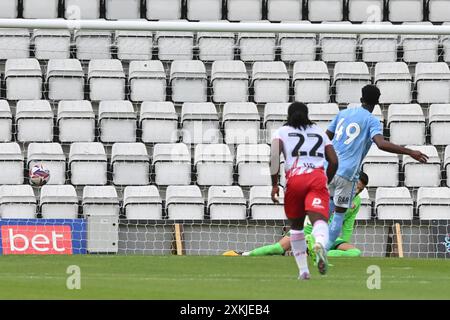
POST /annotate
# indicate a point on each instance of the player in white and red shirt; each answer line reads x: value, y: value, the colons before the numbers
x: 305, y: 148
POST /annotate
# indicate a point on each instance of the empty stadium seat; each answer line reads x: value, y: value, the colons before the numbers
x: 58, y: 202
x: 394, y: 81
x: 213, y: 46
x: 284, y: 10
x: 297, y: 46
x: 76, y: 121
x: 438, y: 10
x: 420, y: 48
x: 204, y: 10
x: 23, y: 73
x: 447, y: 164
x: 439, y: 122
x: 17, y: 202
x: 446, y: 46
x: 11, y: 163
x: 164, y: 9
x: 311, y: 82
x: 14, y: 43
x: 378, y: 161
x: 365, y: 211
x: 51, y: 44
x: 40, y: 9
x: 189, y: 81
x: 130, y: 164
x: 87, y: 163
x: 338, y: 47
x: 175, y: 45
x: 6, y: 122
x: 379, y: 47
x: 394, y: 204
x: 226, y: 203
x: 229, y: 81
x: 365, y: 10
x: 144, y: 75
x: 52, y: 157
x: 65, y: 79
x: 377, y: 113
x: 405, y: 10
x: 433, y: 203
x: 142, y: 203
x: 423, y: 174
x: 93, y: 44
x: 256, y: 46
x: 349, y: 79
x: 122, y: 9
x: 406, y: 123
x: 34, y: 121
x: 275, y: 116
x: 214, y: 165
x: 117, y: 121
x: 82, y: 9
x: 100, y: 201
x: 158, y: 122
x: 184, y: 203
x: 261, y: 204
x: 9, y: 9
x: 240, y: 122
x: 106, y: 80
x: 253, y: 164
x: 323, y: 113
x: 200, y: 122
x: 172, y: 164
x: 432, y: 81
x: 325, y: 10
x: 240, y: 10
x: 270, y: 81
x: 134, y: 45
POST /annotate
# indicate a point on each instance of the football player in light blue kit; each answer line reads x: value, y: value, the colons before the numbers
x: 352, y: 133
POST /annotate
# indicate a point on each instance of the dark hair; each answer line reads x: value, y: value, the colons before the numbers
x: 364, y: 178
x: 370, y: 95
x: 298, y: 116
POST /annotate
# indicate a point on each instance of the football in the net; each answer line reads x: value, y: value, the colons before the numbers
x: 39, y: 175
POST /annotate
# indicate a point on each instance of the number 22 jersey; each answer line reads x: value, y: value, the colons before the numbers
x: 303, y: 149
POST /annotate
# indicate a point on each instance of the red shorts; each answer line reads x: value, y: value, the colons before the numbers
x: 307, y: 192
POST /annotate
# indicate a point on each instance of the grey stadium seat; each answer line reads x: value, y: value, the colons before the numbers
x: 130, y: 164
x: 59, y: 202
x: 52, y: 157
x: 6, y: 122
x: 11, y: 163
x: 226, y: 203
x: 76, y: 121
x: 17, y: 202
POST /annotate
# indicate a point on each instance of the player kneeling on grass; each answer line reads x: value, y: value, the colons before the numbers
x: 341, y: 247
x: 305, y: 147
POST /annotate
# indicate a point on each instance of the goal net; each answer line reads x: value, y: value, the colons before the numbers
x: 160, y: 140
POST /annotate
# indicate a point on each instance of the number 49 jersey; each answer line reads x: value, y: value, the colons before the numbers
x: 353, y: 130
x: 303, y: 149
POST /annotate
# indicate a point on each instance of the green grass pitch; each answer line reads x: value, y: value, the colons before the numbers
x: 192, y: 277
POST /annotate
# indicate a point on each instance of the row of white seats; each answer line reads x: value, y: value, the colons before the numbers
x: 187, y: 203
x: 130, y: 164
x: 139, y: 45
x: 214, y: 164
x: 234, y: 10
x: 229, y: 81
x: 238, y: 123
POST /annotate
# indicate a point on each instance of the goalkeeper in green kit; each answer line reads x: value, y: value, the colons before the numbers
x: 341, y: 247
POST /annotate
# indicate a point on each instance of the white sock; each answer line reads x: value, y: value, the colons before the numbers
x: 298, y: 245
x: 320, y: 232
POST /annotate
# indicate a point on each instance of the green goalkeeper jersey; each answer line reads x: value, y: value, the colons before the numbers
x: 348, y: 224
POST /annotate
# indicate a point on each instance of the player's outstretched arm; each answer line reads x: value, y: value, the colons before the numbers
x: 387, y: 146
x: 275, y: 152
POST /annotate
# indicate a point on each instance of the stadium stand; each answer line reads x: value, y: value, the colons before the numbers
x: 152, y: 125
